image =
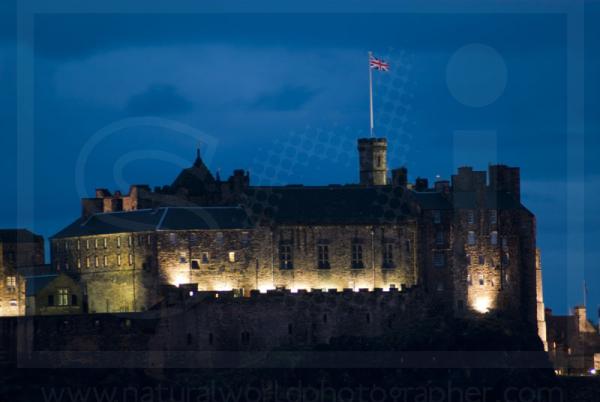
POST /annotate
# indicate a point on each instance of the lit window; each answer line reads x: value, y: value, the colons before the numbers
x: 130, y: 259
x: 469, y: 280
x: 63, y: 297
x: 118, y: 241
x: 357, y: 256
x: 493, y: 216
x: 388, y: 255
x: 232, y: 256
x: 96, y: 261
x: 11, y: 282
x: 494, y: 238
x: 78, y: 244
x: 87, y: 262
x: 438, y: 259
x: 96, y: 243
x: 105, y: 242
x: 285, y: 256
x: 79, y: 263
x: 470, y: 217
x: 119, y: 259
x: 471, y: 238
x: 323, y: 256
x: 87, y: 244
x: 105, y: 261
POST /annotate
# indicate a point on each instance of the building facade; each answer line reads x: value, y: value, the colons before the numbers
x: 468, y: 241
x: 19, y: 249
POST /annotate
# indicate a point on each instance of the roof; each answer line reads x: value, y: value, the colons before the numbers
x: 36, y: 283
x: 168, y: 218
x: 195, y: 180
x: 329, y: 204
x: 466, y: 200
x: 18, y: 236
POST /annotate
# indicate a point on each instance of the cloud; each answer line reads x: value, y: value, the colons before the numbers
x: 158, y: 99
x: 287, y: 98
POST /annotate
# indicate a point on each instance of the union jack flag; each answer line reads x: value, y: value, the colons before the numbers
x: 378, y: 64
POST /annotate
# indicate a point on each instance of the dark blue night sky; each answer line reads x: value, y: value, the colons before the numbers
x: 126, y: 98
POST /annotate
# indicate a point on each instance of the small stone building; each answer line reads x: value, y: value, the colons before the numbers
x: 53, y: 294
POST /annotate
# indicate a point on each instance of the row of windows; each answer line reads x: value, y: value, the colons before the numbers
x: 481, y: 280
x: 472, y: 239
x: 356, y: 252
x: 102, y: 242
x: 11, y: 283
x: 439, y: 259
x: 493, y: 216
x: 97, y: 261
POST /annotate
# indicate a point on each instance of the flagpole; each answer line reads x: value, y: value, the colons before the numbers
x: 371, y: 92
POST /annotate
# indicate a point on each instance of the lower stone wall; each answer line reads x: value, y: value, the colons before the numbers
x: 220, y: 321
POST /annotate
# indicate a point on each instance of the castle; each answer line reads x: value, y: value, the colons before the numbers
x: 468, y: 241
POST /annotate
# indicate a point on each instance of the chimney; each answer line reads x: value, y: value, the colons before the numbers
x: 421, y: 184
x: 372, y: 154
x: 400, y: 177
x: 506, y: 179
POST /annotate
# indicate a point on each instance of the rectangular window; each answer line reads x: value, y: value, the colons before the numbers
x: 481, y: 280
x: 11, y: 282
x: 87, y: 244
x: 357, y: 256
x: 471, y: 238
x: 67, y: 265
x: 96, y: 261
x: 66, y: 245
x: 494, y: 238
x: 470, y: 217
x: 439, y: 259
x: 407, y: 246
x: 437, y: 217
x: 50, y: 300
x: 79, y: 263
x: 504, y: 243
x: 493, y: 216
x: 505, y: 259
x: 205, y: 257
x: 468, y: 259
x: 481, y: 260
x: 105, y: 242
x: 105, y: 261
x: 232, y: 256
x: 96, y: 243
x: 469, y: 280
x: 285, y: 256
x: 388, y: 255
x: 439, y: 238
x: 323, y: 256
x: 195, y: 264
x: 118, y: 241
x: 87, y: 262
x: 219, y: 238
x: 149, y: 239
x: 440, y: 287
x: 130, y: 259
x: 78, y: 244
x: 119, y: 260
x: 182, y: 259
x: 63, y: 297
x: 245, y: 239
